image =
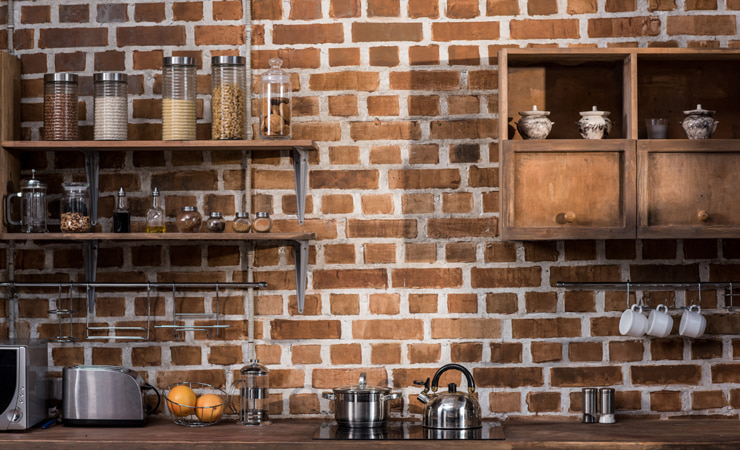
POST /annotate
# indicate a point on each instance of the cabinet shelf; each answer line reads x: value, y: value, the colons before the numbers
x: 214, y: 145
x: 143, y: 237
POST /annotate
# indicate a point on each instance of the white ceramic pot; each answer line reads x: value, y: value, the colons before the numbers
x: 534, y: 124
x: 699, y: 123
x: 594, y: 124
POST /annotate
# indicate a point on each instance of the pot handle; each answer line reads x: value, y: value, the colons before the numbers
x: 329, y: 395
x: 445, y: 368
x: 391, y: 396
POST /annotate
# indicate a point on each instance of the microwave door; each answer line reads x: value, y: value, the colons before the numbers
x: 8, y: 380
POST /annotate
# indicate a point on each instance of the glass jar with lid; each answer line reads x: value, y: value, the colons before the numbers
x: 262, y: 223
x: 61, y: 107
x: 178, y: 98
x: 216, y: 223
x: 228, y: 97
x: 189, y: 220
x: 111, y: 106
x: 275, y: 102
x: 241, y: 224
x: 75, y: 210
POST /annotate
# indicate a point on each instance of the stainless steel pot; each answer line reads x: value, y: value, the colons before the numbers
x: 362, y: 405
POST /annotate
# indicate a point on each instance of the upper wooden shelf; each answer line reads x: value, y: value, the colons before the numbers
x: 157, y: 236
x: 158, y: 145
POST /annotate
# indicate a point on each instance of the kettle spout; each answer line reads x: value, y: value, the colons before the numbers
x: 423, y: 397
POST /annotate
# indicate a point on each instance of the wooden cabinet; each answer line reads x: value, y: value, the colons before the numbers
x: 625, y: 186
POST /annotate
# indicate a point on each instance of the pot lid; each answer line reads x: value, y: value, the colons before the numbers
x: 700, y: 111
x: 594, y: 112
x: 534, y: 112
x: 362, y: 387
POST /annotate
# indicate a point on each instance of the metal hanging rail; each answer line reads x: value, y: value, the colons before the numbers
x: 642, y: 286
x: 12, y: 284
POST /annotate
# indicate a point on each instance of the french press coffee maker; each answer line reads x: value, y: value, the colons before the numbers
x: 250, y: 396
x: 33, y: 206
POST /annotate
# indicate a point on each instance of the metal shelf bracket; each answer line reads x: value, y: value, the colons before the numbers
x: 92, y: 170
x: 301, y: 268
x: 300, y: 167
x: 90, y: 256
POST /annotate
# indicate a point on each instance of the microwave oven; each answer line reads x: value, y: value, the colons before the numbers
x: 23, y: 383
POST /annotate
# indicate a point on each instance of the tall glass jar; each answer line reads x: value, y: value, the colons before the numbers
x: 178, y: 98
x: 75, y: 211
x: 229, y: 97
x: 111, y: 106
x: 60, y: 107
x: 275, y: 102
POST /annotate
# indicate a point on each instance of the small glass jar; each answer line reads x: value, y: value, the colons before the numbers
x: 111, y: 106
x: 216, y: 223
x: 275, y: 102
x: 178, y: 98
x: 228, y: 97
x: 61, y: 107
x: 262, y: 223
x: 241, y: 224
x: 75, y: 210
x: 189, y: 220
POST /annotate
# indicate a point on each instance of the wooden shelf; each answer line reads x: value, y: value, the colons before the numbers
x: 103, y: 146
x: 113, y: 237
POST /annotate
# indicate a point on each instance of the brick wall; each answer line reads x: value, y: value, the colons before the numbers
x: 407, y: 272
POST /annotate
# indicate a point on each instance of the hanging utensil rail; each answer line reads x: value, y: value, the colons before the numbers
x: 97, y: 284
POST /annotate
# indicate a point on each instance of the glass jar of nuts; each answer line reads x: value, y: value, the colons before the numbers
x: 75, y: 211
x: 228, y: 97
x: 275, y: 102
x: 189, y: 220
x: 216, y: 223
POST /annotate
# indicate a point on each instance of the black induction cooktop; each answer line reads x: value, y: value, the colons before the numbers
x: 401, y: 430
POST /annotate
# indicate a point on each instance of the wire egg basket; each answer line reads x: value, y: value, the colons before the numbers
x: 194, y: 415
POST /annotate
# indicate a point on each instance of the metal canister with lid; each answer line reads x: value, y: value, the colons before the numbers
x: 61, y: 96
x: 178, y: 98
x: 111, y: 106
x: 228, y: 97
x: 250, y: 396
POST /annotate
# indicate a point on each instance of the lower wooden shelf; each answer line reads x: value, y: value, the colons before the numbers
x: 157, y: 236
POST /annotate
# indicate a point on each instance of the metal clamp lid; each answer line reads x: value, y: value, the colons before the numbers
x: 178, y: 61
x: 110, y: 76
x: 61, y: 77
x: 228, y: 60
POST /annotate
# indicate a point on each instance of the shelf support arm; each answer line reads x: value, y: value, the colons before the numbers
x: 92, y: 170
x: 300, y: 167
x: 301, y: 270
x: 90, y: 255
x: 12, y: 291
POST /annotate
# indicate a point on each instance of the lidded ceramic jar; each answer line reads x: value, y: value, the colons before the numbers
x: 699, y: 123
x: 534, y: 124
x: 594, y: 124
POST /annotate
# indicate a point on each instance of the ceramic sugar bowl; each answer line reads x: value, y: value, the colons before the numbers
x: 534, y: 124
x: 699, y: 123
x: 594, y: 124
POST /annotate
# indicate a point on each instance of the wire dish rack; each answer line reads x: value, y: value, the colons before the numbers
x: 206, y: 409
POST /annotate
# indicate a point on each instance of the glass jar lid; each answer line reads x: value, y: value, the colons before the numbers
x: 262, y: 214
x: 110, y: 76
x: 178, y: 61
x: 75, y: 186
x: 228, y: 60
x: 242, y: 215
x: 275, y: 74
x: 188, y: 208
x: 62, y: 77
x: 216, y: 215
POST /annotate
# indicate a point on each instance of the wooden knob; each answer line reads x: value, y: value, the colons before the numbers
x: 570, y: 217
x: 703, y: 216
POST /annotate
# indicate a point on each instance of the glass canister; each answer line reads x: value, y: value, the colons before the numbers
x: 189, y: 220
x: 216, y: 223
x: 75, y: 211
x: 241, y: 224
x: 33, y: 206
x: 228, y: 97
x: 275, y: 102
x: 250, y: 394
x: 61, y: 107
x: 178, y: 98
x: 111, y: 106
x: 262, y: 223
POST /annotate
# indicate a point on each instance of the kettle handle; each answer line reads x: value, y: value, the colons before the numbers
x: 445, y: 368
x: 8, y: 201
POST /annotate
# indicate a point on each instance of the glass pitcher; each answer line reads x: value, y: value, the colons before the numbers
x: 33, y: 206
x: 250, y: 396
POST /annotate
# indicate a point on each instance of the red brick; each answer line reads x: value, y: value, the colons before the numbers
x: 456, y: 228
x: 461, y: 352
x: 305, y: 329
x: 390, y: 228
x: 465, y: 31
x: 499, y: 252
x: 502, y: 8
x: 429, y: 80
x: 386, y: 32
x: 305, y: 354
x: 508, y: 377
x: 339, y: 254
x: 422, y: 303
x: 376, y: 130
x: 421, y: 253
x: 701, y: 25
x: 340, y: 354
x: 667, y: 348
x: 423, y: 8
x: 388, y: 329
x: 543, y: 351
x: 383, y: 8
x: 344, y: 8
x: 708, y: 400
x: 35, y: 14
x: 73, y: 37
x: 380, y: 253
x: 385, y: 354
x: 545, y: 328
x: 585, y: 351
x: 624, y: 27
x: 308, y: 34
x: 462, y: 303
x: 140, y: 36
x: 227, y: 10
x: 383, y: 105
x: 585, y: 376
x: 305, y: 9
x: 506, y: 352
x: 424, y: 353
x: 545, y: 29
x: 539, y: 402
x: 625, y: 351
x: 344, y: 81
x: 466, y: 328
x: 584, y: 273
x: 542, y: 302
x: 504, y: 303
x: 667, y: 374
x: 74, y: 13
x: 350, y: 279
x: 427, y: 55
x: 505, y: 277
x: 219, y: 35
x: 344, y: 179
x: 460, y: 252
x: 579, y: 301
x: 665, y: 401
x: 505, y: 402
x: 427, y: 278
x: 384, y: 304
x: 464, y: 129
x: 423, y: 105
x: 344, y: 57
x: 462, y: 9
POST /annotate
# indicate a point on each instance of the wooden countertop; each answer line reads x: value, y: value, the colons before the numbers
x: 162, y: 435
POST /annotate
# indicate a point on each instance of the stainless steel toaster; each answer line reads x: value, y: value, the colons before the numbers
x: 104, y: 396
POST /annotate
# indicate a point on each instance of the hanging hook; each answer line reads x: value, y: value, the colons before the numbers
x: 700, y: 294
x: 628, y: 295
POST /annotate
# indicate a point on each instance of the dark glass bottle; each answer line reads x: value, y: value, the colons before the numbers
x: 121, y: 216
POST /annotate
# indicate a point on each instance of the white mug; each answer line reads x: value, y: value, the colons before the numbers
x: 692, y: 322
x: 633, y: 322
x: 659, y: 322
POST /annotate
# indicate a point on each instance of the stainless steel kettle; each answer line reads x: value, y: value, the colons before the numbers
x: 451, y: 410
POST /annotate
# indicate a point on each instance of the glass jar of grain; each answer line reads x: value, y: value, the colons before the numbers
x: 178, y: 98
x: 228, y: 97
x: 275, y: 102
x: 111, y: 106
x: 60, y: 107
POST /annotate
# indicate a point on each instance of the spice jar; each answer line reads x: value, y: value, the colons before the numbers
x: 229, y: 97
x: 262, y: 223
x: 111, y: 106
x: 75, y: 211
x: 178, y: 98
x: 189, y: 220
x: 60, y: 107
x: 275, y: 102
x: 216, y: 223
x: 241, y: 224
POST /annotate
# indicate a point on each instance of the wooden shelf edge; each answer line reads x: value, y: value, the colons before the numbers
x: 113, y: 237
x: 158, y: 145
